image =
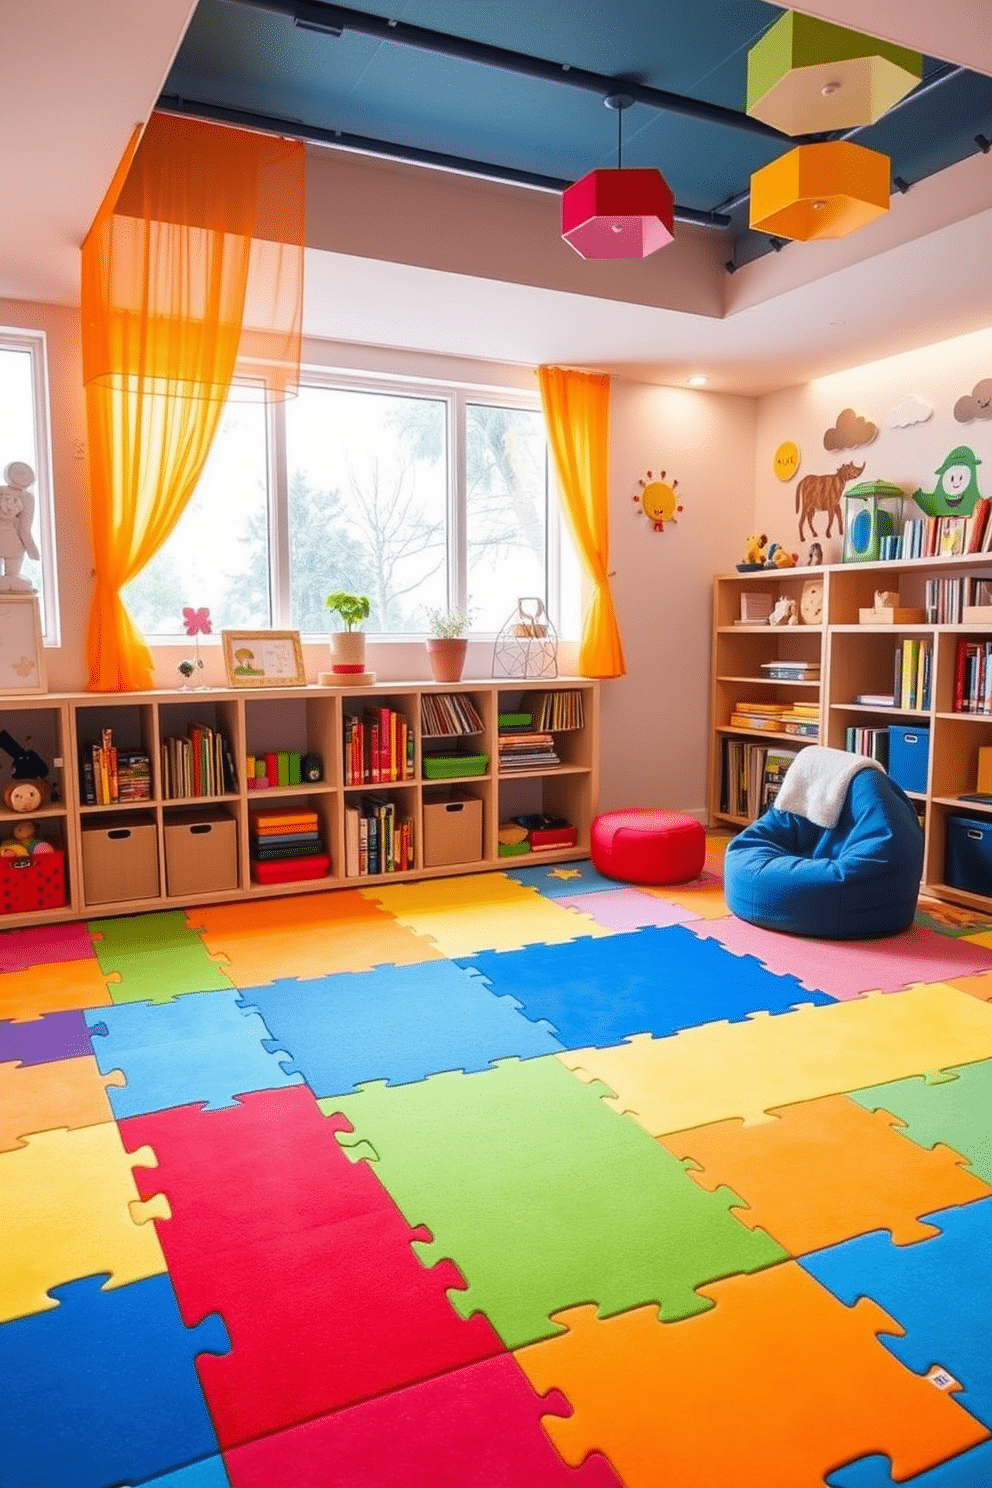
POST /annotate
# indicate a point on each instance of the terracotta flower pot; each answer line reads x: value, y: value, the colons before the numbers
x: 347, y: 651
x: 447, y: 657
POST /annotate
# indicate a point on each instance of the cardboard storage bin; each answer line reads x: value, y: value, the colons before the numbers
x: 909, y: 755
x: 968, y: 863
x: 120, y: 859
x: 201, y: 852
x: 452, y: 829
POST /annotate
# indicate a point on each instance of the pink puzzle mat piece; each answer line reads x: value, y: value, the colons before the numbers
x: 477, y: 1427
x: 627, y: 909
x: 20, y: 949
x: 847, y: 968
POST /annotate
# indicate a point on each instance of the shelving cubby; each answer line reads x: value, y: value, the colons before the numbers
x: 857, y: 659
x: 307, y: 720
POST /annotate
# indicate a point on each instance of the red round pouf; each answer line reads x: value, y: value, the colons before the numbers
x: 643, y: 846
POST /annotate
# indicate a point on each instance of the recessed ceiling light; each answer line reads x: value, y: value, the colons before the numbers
x: 698, y: 379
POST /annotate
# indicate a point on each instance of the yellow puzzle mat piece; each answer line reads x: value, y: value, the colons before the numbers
x: 55, y: 988
x: 70, y: 1199
x: 761, y: 1391
x: 702, y: 898
x: 721, y: 1070
x: 65, y: 1093
x: 483, y: 912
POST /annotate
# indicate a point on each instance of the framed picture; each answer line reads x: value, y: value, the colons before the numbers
x: 22, y: 659
x: 263, y: 658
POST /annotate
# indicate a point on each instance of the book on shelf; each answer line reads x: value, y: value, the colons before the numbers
x: 558, y: 711
x: 377, y: 839
x: 110, y: 775
x: 875, y: 699
x: 756, y: 721
x: 873, y: 742
x: 447, y: 713
x: 756, y: 606
x: 973, y: 676
x: 803, y: 728
x: 791, y: 671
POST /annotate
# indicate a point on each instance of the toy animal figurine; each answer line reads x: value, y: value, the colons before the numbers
x: 784, y: 612
x: 756, y: 549
x: 814, y: 554
x: 16, y: 516
x: 779, y: 557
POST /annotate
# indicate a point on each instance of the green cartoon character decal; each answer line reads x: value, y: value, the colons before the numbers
x: 956, y: 490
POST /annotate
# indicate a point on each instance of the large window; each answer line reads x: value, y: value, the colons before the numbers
x: 420, y: 496
x: 24, y: 438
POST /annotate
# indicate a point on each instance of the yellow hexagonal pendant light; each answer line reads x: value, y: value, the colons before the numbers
x: 820, y: 191
x: 807, y: 76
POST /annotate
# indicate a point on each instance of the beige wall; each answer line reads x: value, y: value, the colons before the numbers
x: 655, y: 719
x: 905, y: 456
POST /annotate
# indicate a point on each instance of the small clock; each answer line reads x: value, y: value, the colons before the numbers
x: 24, y: 795
x: 811, y: 602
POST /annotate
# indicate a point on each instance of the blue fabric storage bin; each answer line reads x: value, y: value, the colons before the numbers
x: 909, y: 754
x: 968, y: 862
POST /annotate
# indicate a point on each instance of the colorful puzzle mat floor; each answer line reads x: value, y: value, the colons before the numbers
x: 517, y: 1180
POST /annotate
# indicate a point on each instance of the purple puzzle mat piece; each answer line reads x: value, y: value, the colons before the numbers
x: 846, y: 969
x: 626, y: 909
x: 43, y: 1040
x: 21, y: 949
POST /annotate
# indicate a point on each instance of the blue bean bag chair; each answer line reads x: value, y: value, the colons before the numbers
x: 847, y: 866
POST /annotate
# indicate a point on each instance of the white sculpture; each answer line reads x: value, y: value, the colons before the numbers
x: 784, y: 612
x: 16, y: 516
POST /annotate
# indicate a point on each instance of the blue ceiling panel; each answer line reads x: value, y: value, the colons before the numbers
x: 508, y: 117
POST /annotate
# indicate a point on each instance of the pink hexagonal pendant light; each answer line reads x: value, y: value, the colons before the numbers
x: 618, y: 213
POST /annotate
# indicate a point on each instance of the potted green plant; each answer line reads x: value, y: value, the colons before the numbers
x: 348, y: 645
x: 447, y: 643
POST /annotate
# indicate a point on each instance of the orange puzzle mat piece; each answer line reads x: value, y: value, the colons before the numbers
x: 774, y: 1387
x: 70, y: 1199
x: 66, y: 1093
x: 57, y: 988
x: 306, y: 936
x: 820, y: 1174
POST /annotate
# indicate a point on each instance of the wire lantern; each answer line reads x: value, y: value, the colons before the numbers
x: 527, y: 645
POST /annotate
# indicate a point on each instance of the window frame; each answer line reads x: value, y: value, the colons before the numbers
x: 35, y: 343
x: 456, y: 396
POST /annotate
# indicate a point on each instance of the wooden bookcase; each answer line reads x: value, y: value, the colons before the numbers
x: 855, y: 659
x: 301, y: 719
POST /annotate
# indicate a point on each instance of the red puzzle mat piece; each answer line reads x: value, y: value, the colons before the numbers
x: 267, y: 1165
x: 478, y: 1427
x: 323, y: 1318
x: 774, y: 1387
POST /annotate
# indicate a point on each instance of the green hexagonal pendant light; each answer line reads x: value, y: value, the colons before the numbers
x: 808, y: 76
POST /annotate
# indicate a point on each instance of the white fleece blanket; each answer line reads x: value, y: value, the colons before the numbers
x: 816, y: 783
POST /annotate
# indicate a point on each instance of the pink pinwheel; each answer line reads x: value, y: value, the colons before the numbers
x: 197, y: 622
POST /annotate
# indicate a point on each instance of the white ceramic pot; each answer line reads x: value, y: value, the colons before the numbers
x: 347, y: 652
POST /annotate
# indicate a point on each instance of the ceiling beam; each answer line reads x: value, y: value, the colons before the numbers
x: 334, y: 20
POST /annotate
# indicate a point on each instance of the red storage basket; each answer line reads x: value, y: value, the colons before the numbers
x: 33, y: 882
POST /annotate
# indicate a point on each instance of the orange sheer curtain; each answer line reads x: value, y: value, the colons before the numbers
x: 192, y: 272
x: 577, y: 415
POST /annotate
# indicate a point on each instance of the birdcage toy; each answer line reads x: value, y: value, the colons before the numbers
x: 527, y: 645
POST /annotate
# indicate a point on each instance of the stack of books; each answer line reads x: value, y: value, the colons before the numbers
x: 199, y: 765
x: 378, y: 747
x: 278, y: 835
x: 376, y: 839
x: 445, y: 714
x: 111, y: 775
x: 559, y: 710
x: 798, y: 718
x: 791, y: 671
x: 873, y: 742
x: 526, y: 749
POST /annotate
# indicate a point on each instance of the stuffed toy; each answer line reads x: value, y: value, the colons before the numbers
x: 755, y: 549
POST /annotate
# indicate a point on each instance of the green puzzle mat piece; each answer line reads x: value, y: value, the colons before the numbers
x: 955, y: 1111
x: 157, y: 957
x: 544, y: 1198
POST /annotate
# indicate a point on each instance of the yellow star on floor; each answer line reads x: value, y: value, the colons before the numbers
x: 565, y: 873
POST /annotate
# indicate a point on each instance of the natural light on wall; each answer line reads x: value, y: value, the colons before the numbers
x: 24, y: 436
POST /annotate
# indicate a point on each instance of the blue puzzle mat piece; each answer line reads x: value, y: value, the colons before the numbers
x: 970, y: 1470
x: 656, y: 980
x: 939, y: 1290
x: 140, y: 1025
x: 208, y: 1474
x: 563, y: 880
x: 202, y: 1048
x: 396, y: 1023
x: 103, y: 1388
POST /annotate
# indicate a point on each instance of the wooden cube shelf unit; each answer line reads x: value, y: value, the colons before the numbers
x: 857, y: 659
x: 130, y: 837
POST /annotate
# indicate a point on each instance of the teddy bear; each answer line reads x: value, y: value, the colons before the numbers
x: 756, y: 549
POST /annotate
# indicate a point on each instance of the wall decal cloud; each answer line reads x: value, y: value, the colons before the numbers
x: 850, y: 431
x: 909, y: 410
x: 975, y: 405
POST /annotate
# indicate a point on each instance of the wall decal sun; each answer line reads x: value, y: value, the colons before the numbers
x: 657, y: 500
